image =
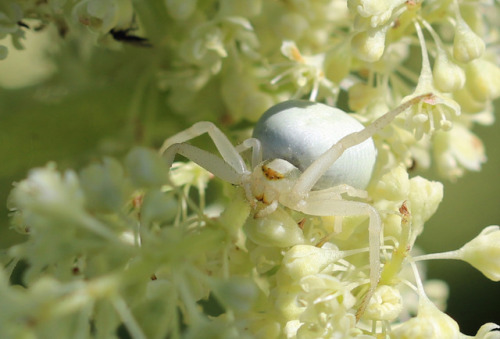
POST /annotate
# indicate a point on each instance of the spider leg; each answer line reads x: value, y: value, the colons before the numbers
x: 224, y: 146
x: 336, y: 191
x: 316, y: 170
x: 207, y: 160
x: 256, y: 147
x: 320, y: 203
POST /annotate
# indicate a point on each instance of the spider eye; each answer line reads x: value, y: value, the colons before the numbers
x: 277, y: 169
x: 271, y: 174
x: 301, y: 131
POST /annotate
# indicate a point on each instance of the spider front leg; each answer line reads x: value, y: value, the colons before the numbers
x: 207, y: 160
x: 224, y: 146
x: 230, y: 168
x: 321, y: 203
x: 256, y: 146
x: 319, y: 167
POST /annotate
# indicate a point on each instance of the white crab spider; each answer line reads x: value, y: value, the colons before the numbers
x: 299, y: 172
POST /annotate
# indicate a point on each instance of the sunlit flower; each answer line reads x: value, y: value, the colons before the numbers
x: 307, y: 71
x: 456, y: 151
x: 483, y: 252
x: 429, y: 323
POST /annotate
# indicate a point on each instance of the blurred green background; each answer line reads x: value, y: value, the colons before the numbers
x: 104, y: 101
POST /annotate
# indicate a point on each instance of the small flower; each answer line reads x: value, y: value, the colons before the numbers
x: 488, y: 331
x: 303, y: 260
x: 277, y: 230
x: 429, y: 323
x: 456, y: 151
x: 325, y: 315
x: 47, y: 191
x: 467, y: 46
x: 307, y: 71
x: 395, y: 187
x: 376, y: 11
x: 483, y: 80
x: 385, y: 304
x: 211, y: 41
x: 447, y: 75
x: 429, y: 115
x: 425, y: 197
x: 104, y: 15
x: 369, y: 45
x: 483, y: 252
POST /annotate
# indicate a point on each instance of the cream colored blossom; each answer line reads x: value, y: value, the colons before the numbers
x: 456, y: 151
x: 103, y: 16
x: 369, y: 45
x: 431, y: 115
x: 429, y: 323
x: 483, y: 252
x: 303, y: 260
x: 307, y: 71
x: 447, y: 75
x: 467, y: 45
x: 46, y: 190
x: 376, y: 11
x: 385, y: 304
x: 483, y: 80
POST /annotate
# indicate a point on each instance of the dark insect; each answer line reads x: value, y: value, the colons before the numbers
x: 22, y: 24
x: 124, y: 36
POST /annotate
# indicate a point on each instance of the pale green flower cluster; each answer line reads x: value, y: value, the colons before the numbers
x: 134, y: 248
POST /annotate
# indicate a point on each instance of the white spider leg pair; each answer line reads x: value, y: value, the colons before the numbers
x: 230, y: 168
x: 320, y: 203
x: 335, y: 193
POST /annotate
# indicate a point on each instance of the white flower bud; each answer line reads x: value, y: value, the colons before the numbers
x: 468, y: 103
x: 456, y: 151
x: 425, y: 197
x: 369, y: 45
x: 467, y: 45
x: 483, y: 252
x: 102, y: 16
x: 378, y: 12
x: 483, y: 80
x: 488, y: 331
x: 429, y: 323
x: 447, y: 75
x: 304, y: 260
x: 46, y: 191
x: 291, y: 26
x: 277, y: 229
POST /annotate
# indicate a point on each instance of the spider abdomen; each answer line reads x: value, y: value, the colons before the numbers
x: 300, y: 131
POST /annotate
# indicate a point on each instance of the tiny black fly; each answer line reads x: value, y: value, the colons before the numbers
x: 124, y: 36
x: 22, y: 24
